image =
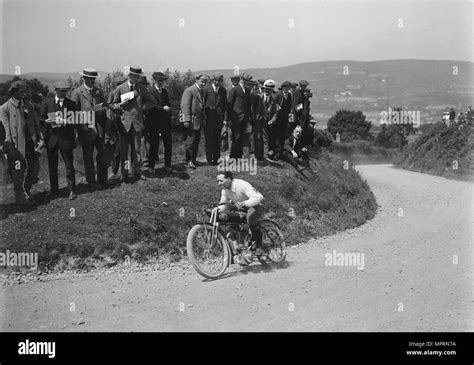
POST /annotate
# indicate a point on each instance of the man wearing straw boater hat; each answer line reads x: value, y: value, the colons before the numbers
x: 264, y: 109
x: 90, y: 98
x: 60, y: 138
x: 21, y: 125
x: 133, y: 100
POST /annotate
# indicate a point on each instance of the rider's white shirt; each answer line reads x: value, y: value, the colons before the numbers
x: 241, y: 191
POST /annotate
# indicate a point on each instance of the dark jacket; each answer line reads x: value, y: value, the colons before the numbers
x: 239, y: 104
x: 63, y: 136
x: 215, y: 106
x: 293, y: 144
x: 158, y: 119
x: 133, y: 111
x: 264, y: 112
x: 285, y: 107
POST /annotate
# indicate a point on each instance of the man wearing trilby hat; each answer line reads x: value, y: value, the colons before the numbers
x: 133, y: 100
x: 285, y: 107
x: 60, y: 138
x: 239, y: 105
x: 215, y: 102
x: 88, y: 97
x: 159, y: 122
x: 22, y: 134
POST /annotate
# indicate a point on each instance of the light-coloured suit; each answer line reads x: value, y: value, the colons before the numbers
x: 192, y: 107
x: 86, y: 101
x: 22, y: 130
x: 132, y: 116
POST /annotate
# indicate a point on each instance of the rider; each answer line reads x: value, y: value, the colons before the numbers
x: 242, y: 194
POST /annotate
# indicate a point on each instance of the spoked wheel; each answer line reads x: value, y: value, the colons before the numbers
x: 272, y: 241
x: 209, y: 256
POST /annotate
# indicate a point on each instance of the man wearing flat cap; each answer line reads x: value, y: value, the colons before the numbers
x: 88, y: 97
x: 192, y: 108
x: 215, y: 104
x: 60, y: 138
x: 133, y: 100
x: 239, y: 109
x: 301, y: 105
x: 285, y: 107
x: 159, y: 123
x: 23, y: 134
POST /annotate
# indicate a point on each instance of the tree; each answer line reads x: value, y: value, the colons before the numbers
x: 350, y: 125
x: 108, y: 82
x: 34, y: 89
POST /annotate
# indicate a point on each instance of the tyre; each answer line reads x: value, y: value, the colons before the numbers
x: 209, y: 257
x: 272, y: 241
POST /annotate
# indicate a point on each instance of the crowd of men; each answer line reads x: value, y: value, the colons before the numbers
x: 257, y: 117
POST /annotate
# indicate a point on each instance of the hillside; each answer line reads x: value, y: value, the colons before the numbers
x: 149, y: 220
x: 441, y: 150
x: 426, y: 85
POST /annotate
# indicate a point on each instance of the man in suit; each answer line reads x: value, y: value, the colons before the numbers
x: 294, y: 151
x: 264, y: 109
x: 88, y: 97
x: 112, y: 142
x: 301, y: 104
x: 60, y: 137
x: 284, y: 107
x: 215, y: 104
x: 192, y: 107
x: 136, y: 101
x: 22, y: 134
x: 239, y: 109
x: 159, y: 122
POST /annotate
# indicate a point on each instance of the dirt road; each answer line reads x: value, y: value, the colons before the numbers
x: 417, y: 276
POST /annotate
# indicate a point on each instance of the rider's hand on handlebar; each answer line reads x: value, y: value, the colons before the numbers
x: 239, y: 205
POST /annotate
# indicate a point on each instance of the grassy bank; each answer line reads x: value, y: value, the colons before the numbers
x: 364, y: 152
x: 443, y: 151
x: 148, y: 220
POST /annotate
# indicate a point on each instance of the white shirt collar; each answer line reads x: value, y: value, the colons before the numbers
x: 157, y: 88
x: 57, y: 99
x: 88, y: 88
x: 215, y: 88
x: 197, y: 86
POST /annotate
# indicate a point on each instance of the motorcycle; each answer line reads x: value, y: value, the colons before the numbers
x: 226, y: 239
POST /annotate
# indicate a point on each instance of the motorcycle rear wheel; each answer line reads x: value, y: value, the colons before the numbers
x: 272, y: 241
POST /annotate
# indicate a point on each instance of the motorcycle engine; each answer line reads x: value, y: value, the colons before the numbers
x: 247, y: 256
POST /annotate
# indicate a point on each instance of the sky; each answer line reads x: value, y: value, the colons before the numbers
x: 68, y: 35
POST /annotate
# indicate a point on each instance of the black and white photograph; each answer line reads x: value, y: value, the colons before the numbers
x: 261, y: 167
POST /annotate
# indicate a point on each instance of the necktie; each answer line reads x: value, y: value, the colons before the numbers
x: 131, y: 87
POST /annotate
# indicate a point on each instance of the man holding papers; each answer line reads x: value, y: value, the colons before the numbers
x: 133, y: 99
x: 60, y: 138
x: 90, y: 98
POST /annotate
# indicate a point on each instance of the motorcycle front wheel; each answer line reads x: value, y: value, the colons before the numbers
x: 209, y: 255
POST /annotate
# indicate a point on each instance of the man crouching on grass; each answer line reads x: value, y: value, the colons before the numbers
x: 243, y: 195
x: 294, y: 152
